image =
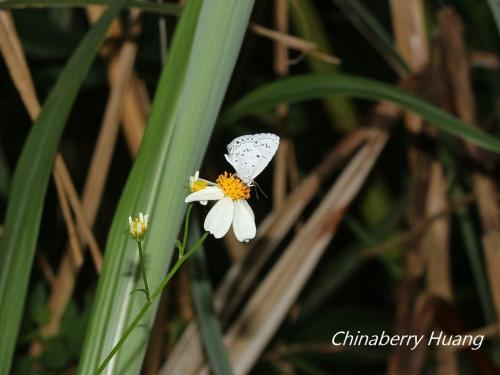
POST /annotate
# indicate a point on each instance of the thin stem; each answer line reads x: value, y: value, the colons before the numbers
x: 186, y: 230
x: 154, y: 296
x: 179, y: 262
x: 127, y: 332
x: 143, y: 270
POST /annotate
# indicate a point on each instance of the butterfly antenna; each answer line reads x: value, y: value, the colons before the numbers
x: 257, y: 188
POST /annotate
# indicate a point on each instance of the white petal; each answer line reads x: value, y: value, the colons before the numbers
x: 210, y: 193
x: 204, y: 203
x: 218, y: 220
x: 243, y: 221
x: 245, y: 203
x: 209, y: 183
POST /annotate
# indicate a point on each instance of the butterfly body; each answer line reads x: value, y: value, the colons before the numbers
x: 250, y: 154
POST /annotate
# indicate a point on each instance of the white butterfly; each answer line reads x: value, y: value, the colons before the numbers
x: 250, y: 154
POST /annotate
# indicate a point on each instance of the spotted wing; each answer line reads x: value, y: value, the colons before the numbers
x: 250, y: 154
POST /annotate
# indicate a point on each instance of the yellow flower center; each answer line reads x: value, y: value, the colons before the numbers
x: 233, y: 187
x: 198, y: 185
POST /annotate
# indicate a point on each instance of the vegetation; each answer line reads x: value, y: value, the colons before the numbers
x: 379, y: 214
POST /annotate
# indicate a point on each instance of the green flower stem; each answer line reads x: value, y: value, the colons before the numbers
x: 143, y: 270
x: 179, y: 263
x: 186, y: 230
x: 154, y: 296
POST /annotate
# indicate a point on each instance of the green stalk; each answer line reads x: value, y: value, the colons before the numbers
x: 150, y: 301
x: 143, y: 270
x: 186, y: 230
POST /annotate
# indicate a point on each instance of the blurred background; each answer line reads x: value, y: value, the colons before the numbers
x: 373, y: 221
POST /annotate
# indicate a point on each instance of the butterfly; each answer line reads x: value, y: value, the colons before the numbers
x: 250, y: 154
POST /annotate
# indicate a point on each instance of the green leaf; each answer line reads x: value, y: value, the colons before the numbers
x: 29, y: 186
x: 210, y: 328
x: 4, y: 175
x: 192, y: 86
x: 139, y: 290
x: 308, y: 24
x: 315, y: 86
x: 495, y: 11
x: 374, y: 32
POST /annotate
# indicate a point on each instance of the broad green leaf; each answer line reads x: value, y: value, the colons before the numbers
x: 208, y: 321
x: 192, y: 86
x: 315, y: 86
x: 29, y: 186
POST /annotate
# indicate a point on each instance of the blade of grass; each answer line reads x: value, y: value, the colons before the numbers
x: 4, y: 174
x: 495, y: 11
x: 30, y: 182
x: 308, y: 23
x: 314, y: 86
x: 374, y: 32
x: 19, y: 71
x: 210, y: 328
x: 190, y: 91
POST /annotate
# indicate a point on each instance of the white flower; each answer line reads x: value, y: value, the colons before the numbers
x: 231, y: 194
x: 138, y: 226
x: 197, y: 184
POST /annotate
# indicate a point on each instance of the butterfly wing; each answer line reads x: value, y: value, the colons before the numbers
x: 250, y: 154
